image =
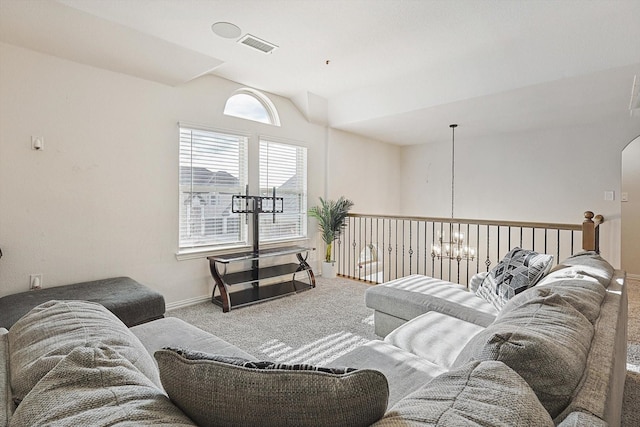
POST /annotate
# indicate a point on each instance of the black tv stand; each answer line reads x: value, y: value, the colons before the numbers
x: 260, y: 283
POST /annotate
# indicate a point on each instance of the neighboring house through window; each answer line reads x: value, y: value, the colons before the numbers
x: 284, y: 166
x: 213, y: 167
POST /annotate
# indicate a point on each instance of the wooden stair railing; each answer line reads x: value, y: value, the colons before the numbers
x: 591, y: 231
x: 379, y: 248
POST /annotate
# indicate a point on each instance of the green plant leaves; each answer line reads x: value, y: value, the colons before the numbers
x: 331, y: 217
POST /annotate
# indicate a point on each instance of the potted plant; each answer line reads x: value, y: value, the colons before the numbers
x: 331, y: 216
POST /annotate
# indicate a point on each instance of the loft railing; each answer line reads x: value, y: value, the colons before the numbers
x: 379, y: 248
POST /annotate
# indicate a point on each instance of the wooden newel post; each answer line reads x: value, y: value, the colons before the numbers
x: 590, y: 232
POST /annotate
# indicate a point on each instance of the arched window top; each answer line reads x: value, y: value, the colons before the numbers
x: 252, y: 105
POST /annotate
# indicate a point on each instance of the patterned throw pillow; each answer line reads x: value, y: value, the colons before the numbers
x: 211, y: 390
x: 516, y: 272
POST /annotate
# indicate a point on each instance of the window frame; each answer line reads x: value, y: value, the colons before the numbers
x: 195, y: 249
x: 263, y: 100
x: 301, y: 168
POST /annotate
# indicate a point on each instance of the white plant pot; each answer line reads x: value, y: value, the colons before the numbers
x: 329, y: 270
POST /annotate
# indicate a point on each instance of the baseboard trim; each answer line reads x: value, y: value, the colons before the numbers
x: 633, y: 276
x: 187, y: 302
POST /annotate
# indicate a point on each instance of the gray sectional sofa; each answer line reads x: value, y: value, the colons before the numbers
x: 553, y: 355
x: 566, y: 337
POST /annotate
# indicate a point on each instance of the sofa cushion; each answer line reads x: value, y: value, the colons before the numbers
x: 216, y: 393
x: 50, y: 331
x: 413, y: 295
x: 405, y: 371
x: 516, y: 272
x: 434, y: 336
x: 585, y: 295
x: 545, y: 340
x: 588, y: 264
x: 582, y: 419
x: 477, y: 394
x: 174, y: 332
x: 95, y: 386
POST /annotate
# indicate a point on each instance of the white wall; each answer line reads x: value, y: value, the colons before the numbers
x: 101, y: 199
x: 364, y: 171
x: 546, y: 176
x: 631, y: 209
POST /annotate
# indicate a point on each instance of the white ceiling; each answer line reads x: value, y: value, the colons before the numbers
x: 399, y: 70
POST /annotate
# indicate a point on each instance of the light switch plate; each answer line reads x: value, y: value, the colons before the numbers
x: 624, y: 197
x: 609, y: 195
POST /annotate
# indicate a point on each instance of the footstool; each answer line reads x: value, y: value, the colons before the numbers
x: 130, y: 301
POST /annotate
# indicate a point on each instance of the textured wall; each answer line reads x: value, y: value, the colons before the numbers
x: 101, y: 199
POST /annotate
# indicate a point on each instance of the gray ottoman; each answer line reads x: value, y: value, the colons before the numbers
x: 130, y: 301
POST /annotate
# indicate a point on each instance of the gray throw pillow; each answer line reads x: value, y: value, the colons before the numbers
x: 216, y: 391
x: 50, y: 331
x: 477, y: 394
x: 588, y: 264
x: 516, y: 272
x: 95, y: 386
x: 584, y: 295
x: 545, y: 340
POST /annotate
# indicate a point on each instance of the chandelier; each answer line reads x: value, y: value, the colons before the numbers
x: 454, y: 247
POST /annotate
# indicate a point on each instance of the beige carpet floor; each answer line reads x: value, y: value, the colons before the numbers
x: 319, y: 325
x: 631, y: 405
x: 314, y: 326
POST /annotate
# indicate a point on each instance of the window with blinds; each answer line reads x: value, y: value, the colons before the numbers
x: 213, y: 167
x: 284, y: 167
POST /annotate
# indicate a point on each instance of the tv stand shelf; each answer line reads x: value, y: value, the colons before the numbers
x: 255, y: 274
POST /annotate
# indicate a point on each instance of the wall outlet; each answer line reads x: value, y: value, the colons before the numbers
x: 35, y: 281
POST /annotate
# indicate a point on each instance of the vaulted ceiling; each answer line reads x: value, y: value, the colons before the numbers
x: 394, y: 70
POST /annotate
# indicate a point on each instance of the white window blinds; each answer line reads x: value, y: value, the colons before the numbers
x: 213, y: 167
x: 284, y: 167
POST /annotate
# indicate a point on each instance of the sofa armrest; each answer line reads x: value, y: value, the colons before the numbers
x: 582, y: 419
x: 6, y: 404
x: 174, y: 332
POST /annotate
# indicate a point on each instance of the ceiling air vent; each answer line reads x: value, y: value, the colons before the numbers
x: 258, y: 44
